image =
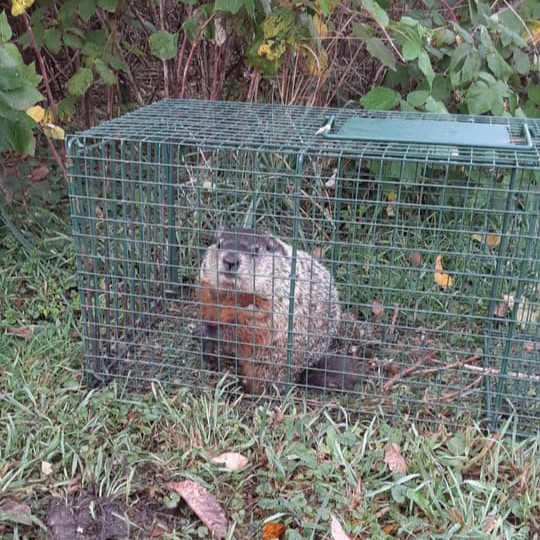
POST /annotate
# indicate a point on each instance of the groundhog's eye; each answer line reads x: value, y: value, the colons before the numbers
x: 270, y: 246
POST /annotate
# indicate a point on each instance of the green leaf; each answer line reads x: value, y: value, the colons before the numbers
x: 80, y: 82
x: 53, y: 39
x: 380, y: 98
x: 482, y: 97
x: 10, y: 78
x: 411, y: 50
x: 443, y: 36
x: 417, y: 98
x: 73, y: 41
x: 470, y: 68
x: 163, y: 44
x: 497, y: 65
x: 10, y: 56
x: 230, y: 6
x: 424, y: 64
x: 435, y: 106
x: 108, y: 5
x: 459, y: 54
x: 21, y: 98
x: 534, y: 93
x: 87, y: 9
x: 362, y: 30
x: 95, y: 44
x: 5, y: 29
x: 325, y: 7
x: 521, y: 62
x: 16, y: 135
x: 190, y: 28
x: 105, y: 72
x: 376, y: 11
x: 377, y: 49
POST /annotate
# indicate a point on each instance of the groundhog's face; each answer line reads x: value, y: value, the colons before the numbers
x: 243, y: 259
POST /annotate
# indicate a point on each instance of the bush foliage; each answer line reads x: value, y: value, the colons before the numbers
x: 97, y: 57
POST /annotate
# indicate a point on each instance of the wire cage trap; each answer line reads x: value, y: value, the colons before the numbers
x: 394, y: 265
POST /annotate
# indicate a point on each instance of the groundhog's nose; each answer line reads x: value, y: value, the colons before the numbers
x: 231, y: 262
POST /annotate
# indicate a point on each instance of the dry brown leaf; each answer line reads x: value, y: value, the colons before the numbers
x: 18, y: 511
x: 273, y: 531
x: 157, y: 531
x: 24, y: 333
x: 204, y: 504
x: 233, y: 461
x: 490, y: 523
x: 394, y: 459
x: 441, y: 279
x: 377, y: 308
x: 501, y: 309
x: 39, y: 173
x: 416, y: 259
x: 337, y: 530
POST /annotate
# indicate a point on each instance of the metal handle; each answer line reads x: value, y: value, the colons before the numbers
x: 430, y: 132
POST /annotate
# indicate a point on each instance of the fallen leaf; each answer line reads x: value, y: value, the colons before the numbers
x: 390, y: 211
x: 273, y: 531
x: 530, y: 346
x: 16, y: 512
x: 331, y: 182
x: 157, y: 532
x: 19, y: 331
x: 492, y: 240
x: 233, y: 461
x: 501, y: 309
x: 204, y: 504
x: 443, y: 280
x: 392, y: 197
x: 394, y: 459
x: 46, y: 468
x: 39, y: 173
x: 416, y: 259
x: 490, y: 523
x: 377, y: 308
x: 337, y: 530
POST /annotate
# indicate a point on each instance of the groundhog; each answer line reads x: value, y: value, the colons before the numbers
x: 246, y: 285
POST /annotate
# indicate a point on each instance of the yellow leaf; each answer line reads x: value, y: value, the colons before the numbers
x: 320, y: 27
x: 492, y: 240
x: 392, y: 197
x: 441, y: 279
x: 36, y: 113
x: 18, y: 7
x: 317, y: 65
x: 54, y: 132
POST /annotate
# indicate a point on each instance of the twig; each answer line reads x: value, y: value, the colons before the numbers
x: 456, y: 393
x: 42, y: 68
x: 393, y: 322
x: 450, y: 11
x: 192, y: 52
x: 509, y: 374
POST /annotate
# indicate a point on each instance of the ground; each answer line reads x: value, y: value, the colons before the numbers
x: 80, y: 463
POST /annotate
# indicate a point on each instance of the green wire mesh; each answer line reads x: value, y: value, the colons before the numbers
x: 434, y: 248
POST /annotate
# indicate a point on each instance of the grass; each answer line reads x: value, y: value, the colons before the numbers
x: 112, y: 452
